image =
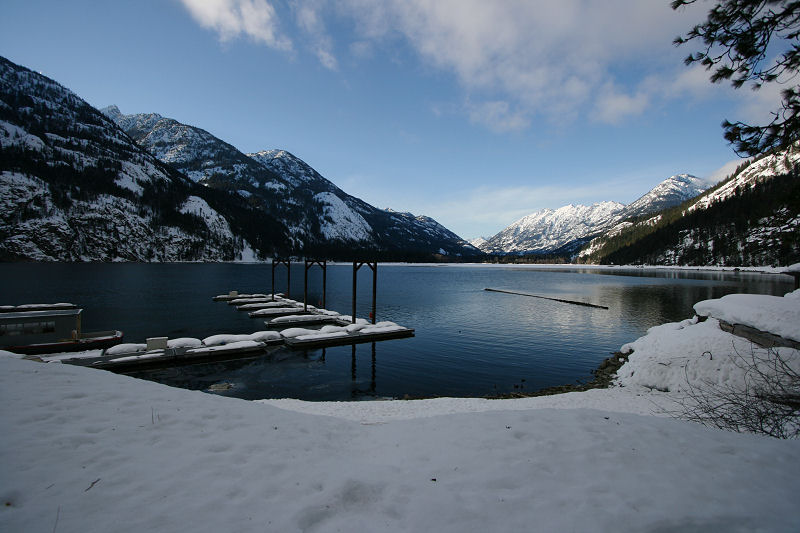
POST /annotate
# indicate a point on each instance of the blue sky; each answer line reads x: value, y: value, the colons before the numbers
x: 475, y: 113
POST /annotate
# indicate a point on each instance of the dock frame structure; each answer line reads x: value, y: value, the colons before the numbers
x: 323, y: 264
x: 373, y: 265
x: 288, y: 262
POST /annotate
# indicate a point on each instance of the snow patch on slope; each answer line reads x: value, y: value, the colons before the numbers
x: 13, y: 135
x: 339, y: 222
x: 548, y: 229
x: 758, y: 171
x: 215, y: 222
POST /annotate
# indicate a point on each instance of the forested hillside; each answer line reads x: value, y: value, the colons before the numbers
x: 750, y: 219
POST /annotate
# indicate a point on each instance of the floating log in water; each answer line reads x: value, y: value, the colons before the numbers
x: 547, y: 298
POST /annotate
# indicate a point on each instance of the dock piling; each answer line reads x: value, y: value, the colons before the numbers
x: 374, y: 267
x: 324, y: 265
x: 288, y: 263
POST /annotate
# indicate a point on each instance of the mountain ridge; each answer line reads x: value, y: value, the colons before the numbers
x: 315, y: 210
x: 80, y: 185
x: 567, y: 228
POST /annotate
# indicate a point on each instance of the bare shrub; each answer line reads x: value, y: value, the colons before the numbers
x: 767, y: 401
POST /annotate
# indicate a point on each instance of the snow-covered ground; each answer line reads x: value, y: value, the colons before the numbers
x: 86, y: 450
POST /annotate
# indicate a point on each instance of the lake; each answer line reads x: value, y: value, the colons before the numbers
x: 469, y: 342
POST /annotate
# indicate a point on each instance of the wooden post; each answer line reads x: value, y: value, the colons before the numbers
x: 374, y: 289
x: 273, y: 279
x: 305, y: 286
x: 355, y: 281
x: 374, y: 267
x: 288, y: 263
x: 324, y: 265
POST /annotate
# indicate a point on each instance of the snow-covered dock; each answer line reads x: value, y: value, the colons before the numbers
x: 281, y: 312
x: 289, y: 324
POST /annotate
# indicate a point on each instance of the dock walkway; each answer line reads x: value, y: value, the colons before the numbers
x: 288, y: 323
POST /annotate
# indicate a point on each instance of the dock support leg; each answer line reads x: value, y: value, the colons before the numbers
x: 324, y: 284
x: 374, y: 289
x: 355, y: 281
x: 374, y: 267
x: 288, y: 263
x: 324, y: 265
x: 273, y: 279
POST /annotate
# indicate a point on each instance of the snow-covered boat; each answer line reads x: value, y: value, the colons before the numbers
x: 50, y: 330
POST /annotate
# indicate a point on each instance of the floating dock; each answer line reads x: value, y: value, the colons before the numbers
x: 170, y: 357
x: 288, y: 322
x: 355, y: 337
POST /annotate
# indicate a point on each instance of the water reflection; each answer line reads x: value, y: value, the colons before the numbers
x: 278, y: 370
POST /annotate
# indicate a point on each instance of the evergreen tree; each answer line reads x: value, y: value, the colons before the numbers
x: 738, y: 38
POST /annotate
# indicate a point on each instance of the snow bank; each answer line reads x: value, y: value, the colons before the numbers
x: 673, y: 356
x: 773, y: 314
x: 128, y: 455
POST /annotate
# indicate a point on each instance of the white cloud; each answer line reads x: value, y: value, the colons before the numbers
x: 555, y: 60
x: 613, y: 106
x: 309, y: 20
x: 517, y: 61
x: 255, y: 19
x: 497, y: 116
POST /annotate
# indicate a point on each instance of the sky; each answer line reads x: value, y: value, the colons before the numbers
x: 474, y: 113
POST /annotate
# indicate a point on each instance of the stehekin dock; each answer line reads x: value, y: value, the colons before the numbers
x: 290, y: 323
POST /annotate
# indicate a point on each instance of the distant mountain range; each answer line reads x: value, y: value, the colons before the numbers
x: 566, y: 229
x: 77, y: 184
x: 752, y: 218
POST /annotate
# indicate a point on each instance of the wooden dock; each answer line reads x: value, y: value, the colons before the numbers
x: 155, y: 359
x: 290, y: 321
x: 286, y: 319
x: 357, y: 337
x: 234, y: 295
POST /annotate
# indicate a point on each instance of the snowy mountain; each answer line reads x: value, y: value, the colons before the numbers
x: 319, y: 216
x: 478, y: 242
x: 549, y: 229
x: 752, y: 218
x: 80, y: 185
x: 74, y: 187
x: 750, y: 174
x: 671, y: 192
x: 566, y: 229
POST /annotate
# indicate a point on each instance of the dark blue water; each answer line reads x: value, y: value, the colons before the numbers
x: 468, y: 342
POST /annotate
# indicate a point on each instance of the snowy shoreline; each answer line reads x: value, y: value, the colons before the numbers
x: 87, y: 450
